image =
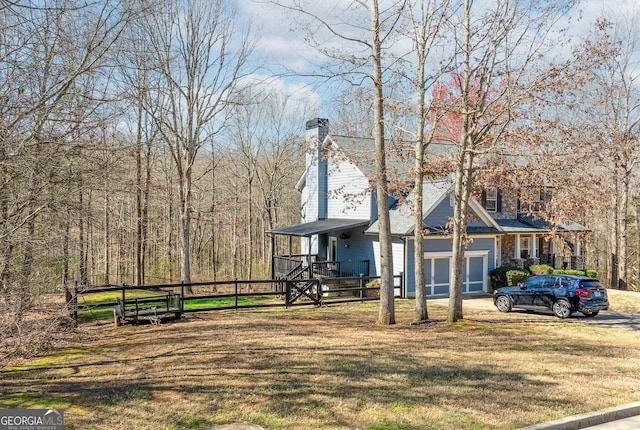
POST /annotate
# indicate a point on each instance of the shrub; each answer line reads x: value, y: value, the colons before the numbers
x: 517, y: 275
x: 541, y: 269
x: 568, y: 272
x: 498, y: 276
x: 587, y: 272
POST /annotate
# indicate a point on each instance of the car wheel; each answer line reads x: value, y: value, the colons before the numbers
x: 590, y: 314
x: 562, y: 309
x: 503, y: 303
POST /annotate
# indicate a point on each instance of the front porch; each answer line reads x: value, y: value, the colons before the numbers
x: 524, y: 250
x: 313, y: 266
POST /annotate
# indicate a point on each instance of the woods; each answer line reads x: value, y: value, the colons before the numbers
x: 145, y: 144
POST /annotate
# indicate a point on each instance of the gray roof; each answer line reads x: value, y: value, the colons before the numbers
x: 401, y: 216
x: 319, y: 227
x: 545, y: 225
x: 399, y: 157
x: 527, y: 224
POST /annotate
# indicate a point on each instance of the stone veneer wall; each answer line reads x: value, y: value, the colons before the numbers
x: 509, y: 206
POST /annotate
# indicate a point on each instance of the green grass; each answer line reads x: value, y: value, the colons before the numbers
x: 57, y: 358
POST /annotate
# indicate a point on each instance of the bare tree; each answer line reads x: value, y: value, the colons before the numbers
x: 51, y: 54
x: 201, y: 56
x: 426, y: 20
x: 359, y: 56
x: 496, y: 48
x: 613, y: 110
x: 134, y: 60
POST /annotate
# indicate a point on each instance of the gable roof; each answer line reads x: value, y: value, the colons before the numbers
x: 434, y: 192
x: 399, y: 157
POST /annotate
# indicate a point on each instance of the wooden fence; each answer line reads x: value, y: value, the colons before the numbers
x: 99, y: 302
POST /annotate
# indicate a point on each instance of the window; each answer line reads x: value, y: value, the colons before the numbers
x: 534, y: 282
x: 525, y: 246
x: 531, y: 200
x: 491, y: 200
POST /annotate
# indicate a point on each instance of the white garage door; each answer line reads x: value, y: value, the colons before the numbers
x: 437, y: 273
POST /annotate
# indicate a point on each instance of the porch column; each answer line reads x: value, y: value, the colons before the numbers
x: 533, y: 247
x: 576, y: 248
x: 517, y: 247
x: 273, y: 256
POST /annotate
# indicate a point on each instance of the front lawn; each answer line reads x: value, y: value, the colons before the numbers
x: 332, y: 368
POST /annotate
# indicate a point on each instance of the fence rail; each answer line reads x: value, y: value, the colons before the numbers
x: 230, y: 295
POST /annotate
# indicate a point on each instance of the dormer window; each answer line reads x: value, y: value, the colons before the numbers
x: 491, y: 202
x: 491, y: 199
x: 533, y: 200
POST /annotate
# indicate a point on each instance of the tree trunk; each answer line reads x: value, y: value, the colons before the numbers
x: 185, y: 230
x: 459, y: 226
x: 386, y: 315
x: 139, y: 269
x: 462, y: 185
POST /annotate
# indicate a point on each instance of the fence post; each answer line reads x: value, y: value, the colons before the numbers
x: 362, y: 288
x: 235, y: 284
x: 287, y: 294
x: 123, y: 302
x: 181, y: 299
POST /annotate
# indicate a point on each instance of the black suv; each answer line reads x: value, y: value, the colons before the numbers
x: 563, y: 294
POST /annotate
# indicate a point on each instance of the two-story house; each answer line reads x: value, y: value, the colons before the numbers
x: 339, y: 223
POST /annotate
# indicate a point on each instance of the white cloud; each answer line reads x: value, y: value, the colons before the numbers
x: 301, y: 98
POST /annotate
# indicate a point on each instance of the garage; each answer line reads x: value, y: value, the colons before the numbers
x: 437, y: 272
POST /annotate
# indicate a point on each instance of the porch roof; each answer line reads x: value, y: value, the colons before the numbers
x: 319, y: 227
x: 527, y: 224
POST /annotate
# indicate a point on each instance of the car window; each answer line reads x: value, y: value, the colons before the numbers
x: 552, y: 281
x: 591, y: 283
x: 558, y: 281
x: 534, y: 282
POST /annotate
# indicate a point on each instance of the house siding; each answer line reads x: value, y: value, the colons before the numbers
x: 397, y: 247
x: 442, y: 213
x: 347, y: 188
x: 357, y: 247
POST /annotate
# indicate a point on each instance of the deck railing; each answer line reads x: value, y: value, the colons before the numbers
x: 284, y: 266
x: 339, y: 269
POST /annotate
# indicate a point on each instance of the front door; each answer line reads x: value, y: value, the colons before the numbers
x: 332, y: 254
